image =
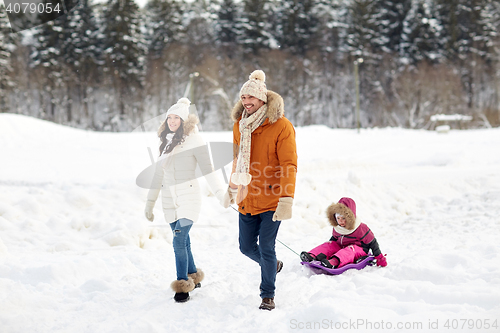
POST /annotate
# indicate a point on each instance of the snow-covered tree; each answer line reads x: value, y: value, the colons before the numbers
x: 226, y: 24
x: 466, y: 27
x: 332, y: 28
x: 7, y: 46
x: 124, y: 50
x: 297, y: 25
x: 163, y: 25
x: 388, y: 17
x: 199, y: 26
x: 49, y: 68
x: 256, y: 26
x: 80, y: 52
x: 420, y: 37
x: 490, y: 24
x: 469, y: 38
x: 48, y: 39
x: 80, y: 47
x: 361, y: 30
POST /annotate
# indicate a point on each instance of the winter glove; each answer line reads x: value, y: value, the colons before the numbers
x: 149, y: 210
x: 381, y: 261
x: 284, y: 209
x: 229, y: 197
x: 220, y: 194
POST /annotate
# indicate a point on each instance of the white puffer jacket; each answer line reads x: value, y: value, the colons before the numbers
x: 176, y: 172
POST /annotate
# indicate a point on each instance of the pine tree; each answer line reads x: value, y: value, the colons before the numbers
x: 48, y: 39
x: 163, y: 25
x: 199, y: 26
x: 361, y: 30
x: 297, y: 25
x: 226, y: 27
x: 333, y: 22
x: 388, y: 17
x: 486, y: 34
x: 79, y: 46
x: 7, y: 46
x: 493, y: 13
x: 468, y: 38
x: 80, y: 52
x: 420, y: 37
x: 124, y: 50
x: 465, y: 28
x: 255, y: 23
x: 49, y: 68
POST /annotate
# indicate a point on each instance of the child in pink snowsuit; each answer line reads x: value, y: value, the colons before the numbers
x: 350, y: 240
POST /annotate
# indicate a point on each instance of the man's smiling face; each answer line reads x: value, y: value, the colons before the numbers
x: 251, y: 103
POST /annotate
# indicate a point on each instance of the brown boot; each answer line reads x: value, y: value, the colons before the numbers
x: 267, y: 304
x: 280, y: 266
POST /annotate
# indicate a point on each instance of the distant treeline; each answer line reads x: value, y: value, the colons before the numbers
x: 112, y: 66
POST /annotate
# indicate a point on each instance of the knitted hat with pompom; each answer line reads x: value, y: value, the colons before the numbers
x: 181, y: 108
x: 255, y: 86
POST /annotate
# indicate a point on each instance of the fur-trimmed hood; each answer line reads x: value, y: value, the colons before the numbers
x: 275, y: 108
x: 189, y: 125
x: 345, y: 207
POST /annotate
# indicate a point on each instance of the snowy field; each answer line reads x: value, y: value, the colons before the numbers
x: 78, y: 255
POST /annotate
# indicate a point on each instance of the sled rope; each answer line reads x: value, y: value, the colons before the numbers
x: 287, y: 247
x: 276, y: 238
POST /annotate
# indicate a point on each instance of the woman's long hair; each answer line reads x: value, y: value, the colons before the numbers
x: 177, y: 139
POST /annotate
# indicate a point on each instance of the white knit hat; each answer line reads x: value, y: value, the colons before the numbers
x: 255, y: 86
x: 181, y: 108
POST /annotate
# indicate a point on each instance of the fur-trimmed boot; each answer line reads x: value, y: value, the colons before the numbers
x: 182, y: 289
x: 197, y: 277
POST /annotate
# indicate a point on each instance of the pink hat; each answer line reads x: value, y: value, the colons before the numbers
x: 349, y: 203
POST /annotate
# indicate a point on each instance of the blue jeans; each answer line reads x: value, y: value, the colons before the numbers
x: 184, y: 262
x: 257, y: 241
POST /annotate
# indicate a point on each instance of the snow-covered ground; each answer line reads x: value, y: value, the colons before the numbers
x: 78, y: 255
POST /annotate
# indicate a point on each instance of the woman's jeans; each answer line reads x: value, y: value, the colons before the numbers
x: 184, y: 262
x: 263, y: 229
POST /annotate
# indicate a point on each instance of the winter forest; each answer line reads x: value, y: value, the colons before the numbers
x: 110, y: 66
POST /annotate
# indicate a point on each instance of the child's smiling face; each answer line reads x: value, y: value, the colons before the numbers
x: 341, y: 220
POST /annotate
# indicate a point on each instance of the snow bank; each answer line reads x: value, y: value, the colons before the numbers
x: 77, y: 254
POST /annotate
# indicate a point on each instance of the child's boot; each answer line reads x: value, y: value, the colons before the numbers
x: 307, y: 257
x: 332, y: 263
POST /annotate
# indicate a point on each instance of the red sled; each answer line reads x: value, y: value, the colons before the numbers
x: 361, y: 263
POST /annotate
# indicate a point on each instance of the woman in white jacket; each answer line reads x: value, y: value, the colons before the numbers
x: 182, y: 148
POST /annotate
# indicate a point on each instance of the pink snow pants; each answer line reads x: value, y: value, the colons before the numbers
x: 345, y: 255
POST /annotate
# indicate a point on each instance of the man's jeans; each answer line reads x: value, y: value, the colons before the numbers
x: 263, y: 229
x: 184, y: 262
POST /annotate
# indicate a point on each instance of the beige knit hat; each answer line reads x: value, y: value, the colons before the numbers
x: 255, y: 86
x: 181, y: 108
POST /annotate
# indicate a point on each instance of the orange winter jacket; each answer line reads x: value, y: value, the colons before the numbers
x: 273, y: 159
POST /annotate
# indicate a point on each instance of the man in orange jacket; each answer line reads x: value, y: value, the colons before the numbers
x: 263, y: 176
